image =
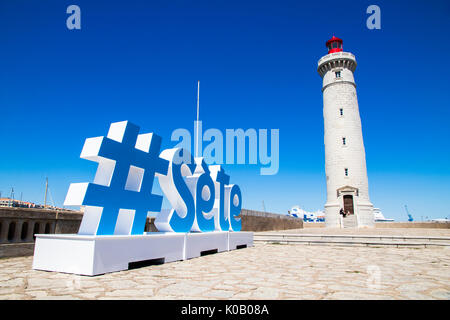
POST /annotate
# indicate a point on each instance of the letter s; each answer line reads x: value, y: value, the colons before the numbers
x: 181, y: 217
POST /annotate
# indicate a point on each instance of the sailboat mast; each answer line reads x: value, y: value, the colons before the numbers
x: 46, y: 189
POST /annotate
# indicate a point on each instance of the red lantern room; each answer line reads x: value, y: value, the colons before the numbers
x: 334, y: 45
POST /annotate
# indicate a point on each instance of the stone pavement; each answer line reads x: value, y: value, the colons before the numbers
x: 265, y: 271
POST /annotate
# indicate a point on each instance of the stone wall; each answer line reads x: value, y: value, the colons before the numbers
x: 264, y: 221
x: 19, y: 225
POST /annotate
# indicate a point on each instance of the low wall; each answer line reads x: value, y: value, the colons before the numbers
x: 19, y: 225
x: 263, y: 221
x: 307, y: 225
x: 430, y: 225
x: 389, y: 225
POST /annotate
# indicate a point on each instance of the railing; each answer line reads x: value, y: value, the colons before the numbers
x: 336, y: 55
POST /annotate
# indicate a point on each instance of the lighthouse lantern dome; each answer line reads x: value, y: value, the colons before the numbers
x: 334, y: 45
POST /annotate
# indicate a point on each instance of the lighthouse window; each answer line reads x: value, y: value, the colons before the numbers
x: 346, y: 172
x: 343, y: 141
x: 338, y: 74
x: 341, y: 111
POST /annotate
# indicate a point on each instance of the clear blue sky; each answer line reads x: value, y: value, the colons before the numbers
x: 256, y: 60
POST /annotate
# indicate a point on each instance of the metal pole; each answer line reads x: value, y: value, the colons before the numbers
x: 198, y: 112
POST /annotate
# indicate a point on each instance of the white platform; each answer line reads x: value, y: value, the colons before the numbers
x: 196, y: 243
x: 93, y: 255
x: 238, y: 239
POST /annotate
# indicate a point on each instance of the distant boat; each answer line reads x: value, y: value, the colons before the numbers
x: 379, y: 217
x: 297, y: 212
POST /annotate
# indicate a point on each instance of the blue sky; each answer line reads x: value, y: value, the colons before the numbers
x: 256, y: 60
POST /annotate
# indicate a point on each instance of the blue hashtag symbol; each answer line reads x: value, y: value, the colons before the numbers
x: 127, y: 164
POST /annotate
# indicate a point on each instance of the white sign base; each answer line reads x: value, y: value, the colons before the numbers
x: 94, y: 255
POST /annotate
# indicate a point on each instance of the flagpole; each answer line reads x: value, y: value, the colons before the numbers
x: 198, y: 111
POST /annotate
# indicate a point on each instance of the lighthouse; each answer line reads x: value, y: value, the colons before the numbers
x: 345, y: 157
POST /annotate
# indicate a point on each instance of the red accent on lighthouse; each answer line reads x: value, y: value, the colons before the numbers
x: 334, y: 45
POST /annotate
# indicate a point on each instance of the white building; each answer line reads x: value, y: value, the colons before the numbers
x: 345, y: 159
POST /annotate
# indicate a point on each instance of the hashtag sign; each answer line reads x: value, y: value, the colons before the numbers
x: 121, y: 196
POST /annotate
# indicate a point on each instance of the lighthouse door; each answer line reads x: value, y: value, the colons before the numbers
x: 348, y: 204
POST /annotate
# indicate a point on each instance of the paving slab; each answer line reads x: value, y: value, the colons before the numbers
x: 265, y: 271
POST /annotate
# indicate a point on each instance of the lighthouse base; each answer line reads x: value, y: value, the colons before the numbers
x: 332, y: 217
x: 365, y: 215
x: 362, y: 210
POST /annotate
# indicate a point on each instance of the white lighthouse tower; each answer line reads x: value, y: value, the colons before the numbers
x: 345, y: 158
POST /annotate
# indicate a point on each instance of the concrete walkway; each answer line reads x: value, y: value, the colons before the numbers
x: 265, y: 271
